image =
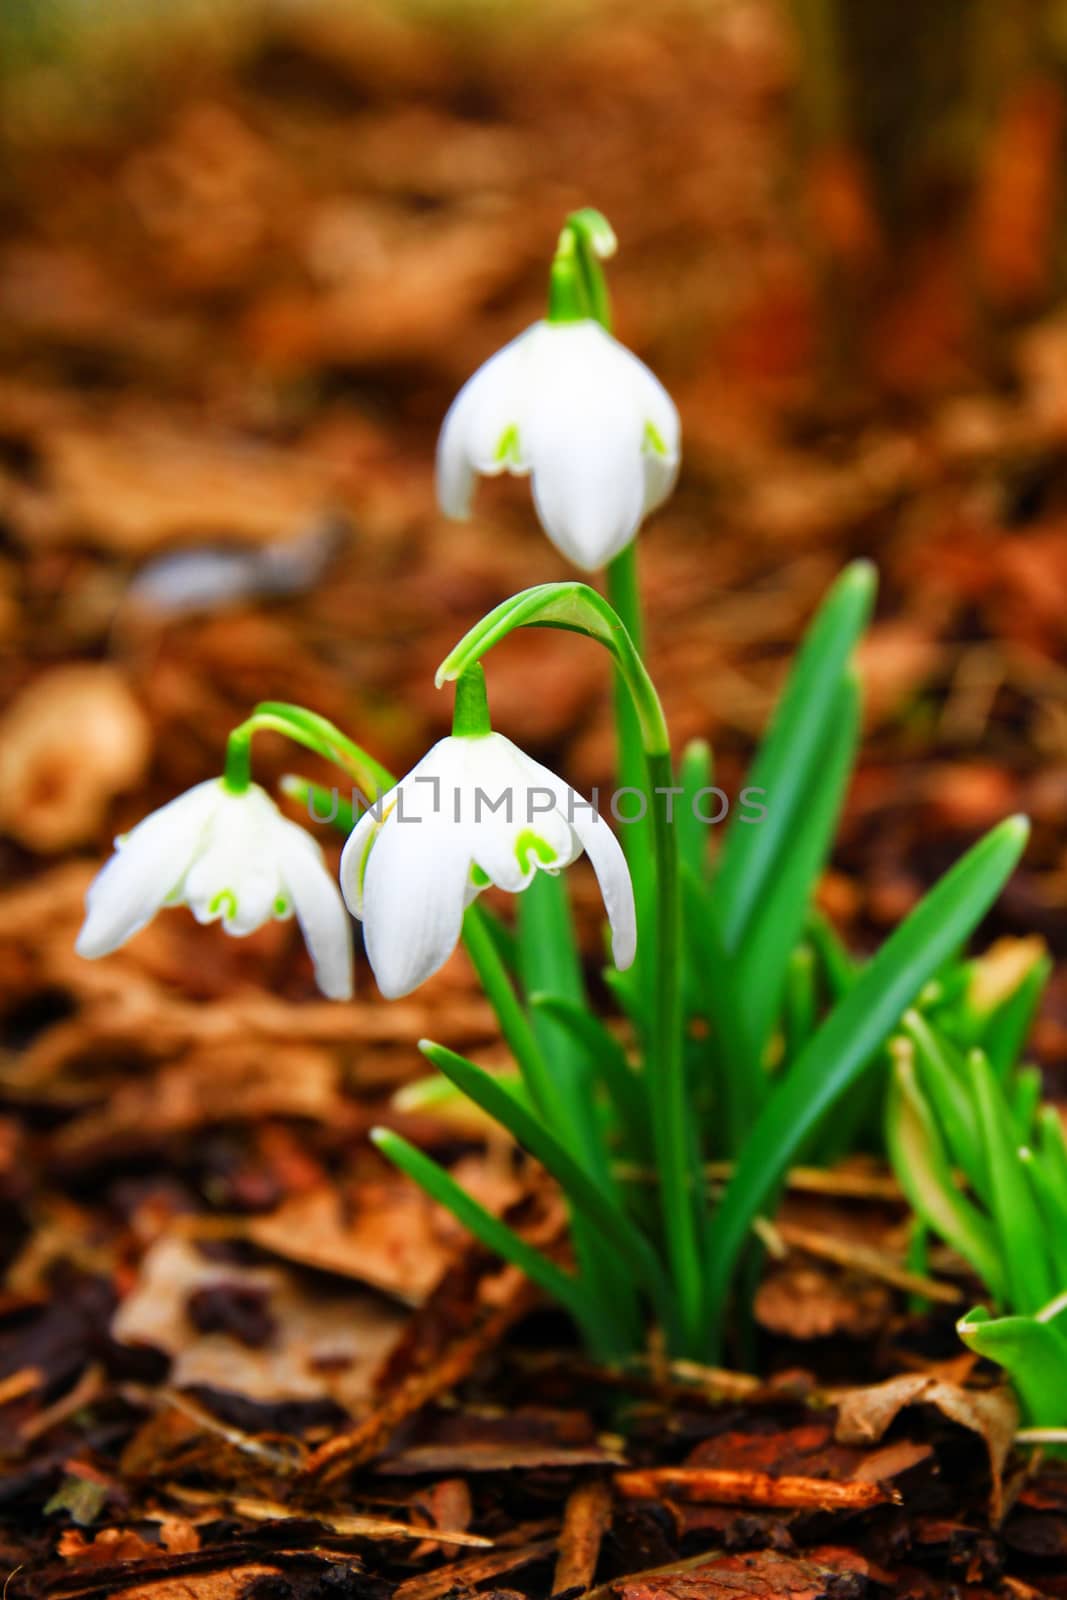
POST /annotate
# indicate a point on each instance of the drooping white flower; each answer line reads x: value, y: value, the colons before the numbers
x: 573, y: 407
x: 230, y: 857
x: 474, y: 811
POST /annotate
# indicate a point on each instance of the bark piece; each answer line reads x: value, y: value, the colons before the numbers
x: 585, y: 1522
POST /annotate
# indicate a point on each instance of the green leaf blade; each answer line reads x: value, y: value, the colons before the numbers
x: 785, y: 765
x: 851, y: 1036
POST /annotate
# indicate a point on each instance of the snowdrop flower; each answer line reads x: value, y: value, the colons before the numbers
x: 228, y: 856
x: 568, y: 404
x: 475, y: 811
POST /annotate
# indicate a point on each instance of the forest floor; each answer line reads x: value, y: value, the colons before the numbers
x: 238, y: 1356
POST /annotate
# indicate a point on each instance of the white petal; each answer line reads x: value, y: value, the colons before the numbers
x: 662, y: 440
x: 584, y: 431
x: 590, y: 505
x: 319, y: 908
x: 507, y: 842
x: 661, y: 475
x: 354, y: 854
x: 236, y: 877
x: 483, y: 415
x: 606, y: 856
x: 414, y: 894
x: 613, y: 875
x: 146, y: 870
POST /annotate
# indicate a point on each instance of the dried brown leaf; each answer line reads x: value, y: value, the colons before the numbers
x: 865, y: 1414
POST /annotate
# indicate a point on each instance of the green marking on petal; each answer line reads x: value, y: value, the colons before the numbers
x: 531, y: 844
x: 480, y: 879
x: 507, y: 450
x: 653, y: 442
x: 361, y: 870
x: 281, y: 906
x: 224, y: 904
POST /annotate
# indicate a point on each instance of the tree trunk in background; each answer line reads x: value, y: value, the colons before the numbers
x: 933, y: 139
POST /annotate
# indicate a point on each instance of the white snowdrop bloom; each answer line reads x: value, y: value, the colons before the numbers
x: 230, y: 857
x: 475, y: 811
x: 573, y: 407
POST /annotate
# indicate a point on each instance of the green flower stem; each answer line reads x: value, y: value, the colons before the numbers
x: 314, y: 733
x: 588, y: 239
x: 514, y: 1023
x: 675, y: 1155
x: 637, y: 838
x: 651, y: 846
x: 470, y: 712
x: 566, y: 289
x: 580, y: 609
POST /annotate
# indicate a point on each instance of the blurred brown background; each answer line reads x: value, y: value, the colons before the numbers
x: 249, y: 253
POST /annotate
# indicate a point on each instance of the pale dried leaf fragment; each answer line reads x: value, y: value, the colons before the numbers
x: 72, y: 740
x: 225, y: 1084
x: 352, y: 1525
x: 323, y: 1345
x: 390, y: 1242
x: 140, y: 485
x: 802, y: 1301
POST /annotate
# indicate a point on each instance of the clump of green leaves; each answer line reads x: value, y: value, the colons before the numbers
x: 775, y: 1026
x: 984, y: 1164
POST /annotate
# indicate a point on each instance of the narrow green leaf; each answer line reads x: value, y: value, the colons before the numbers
x: 1008, y: 1028
x: 1033, y: 1353
x: 799, y: 1009
x: 631, y: 999
x: 1028, y: 1280
x: 917, y: 1261
x: 852, y: 1035
x: 493, y: 1233
x: 741, y: 1085
x: 503, y: 939
x: 694, y: 775
x: 1053, y: 1215
x: 923, y: 1171
x: 551, y: 1079
x: 1024, y: 1096
x: 839, y: 970
x: 607, y: 1060
x: 776, y: 922
x: 325, y: 806
x: 785, y: 767
x: 549, y: 964
x: 441, y: 1098
x: 600, y: 1206
x: 948, y: 1095
x: 515, y: 1025
x: 1052, y: 1147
